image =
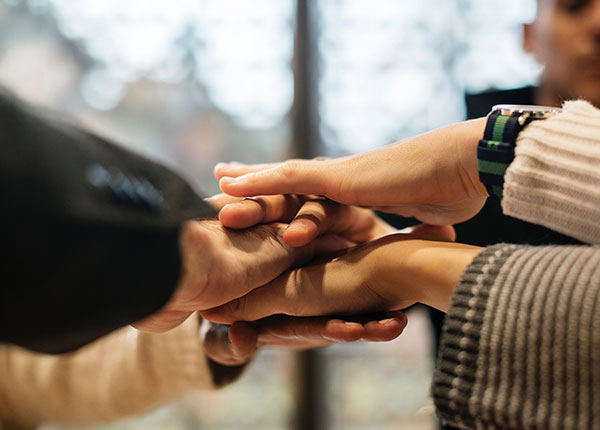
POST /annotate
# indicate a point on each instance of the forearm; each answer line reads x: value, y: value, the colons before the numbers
x: 520, y: 342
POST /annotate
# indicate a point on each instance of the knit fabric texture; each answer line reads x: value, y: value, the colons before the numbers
x: 553, y: 180
x: 122, y: 374
x: 521, y: 343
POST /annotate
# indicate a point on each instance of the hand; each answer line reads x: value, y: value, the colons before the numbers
x: 308, y: 217
x: 390, y: 273
x: 432, y: 177
x: 237, y: 344
x: 220, y: 265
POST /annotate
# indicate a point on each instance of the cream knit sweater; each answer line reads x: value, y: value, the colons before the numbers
x: 554, y: 179
x: 124, y: 373
x: 521, y: 343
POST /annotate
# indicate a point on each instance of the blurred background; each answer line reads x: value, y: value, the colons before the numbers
x: 194, y: 82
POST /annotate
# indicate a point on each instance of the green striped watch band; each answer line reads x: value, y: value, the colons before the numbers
x: 497, y: 148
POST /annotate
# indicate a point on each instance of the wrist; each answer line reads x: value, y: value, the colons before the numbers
x: 496, y: 149
x: 436, y: 268
x: 467, y: 137
x: 409, y: 270
x: 195, y: 238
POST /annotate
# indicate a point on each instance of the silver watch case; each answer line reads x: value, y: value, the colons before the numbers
x: 527, y: 112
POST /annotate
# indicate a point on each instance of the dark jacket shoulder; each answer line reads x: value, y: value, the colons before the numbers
x: 90, y: 231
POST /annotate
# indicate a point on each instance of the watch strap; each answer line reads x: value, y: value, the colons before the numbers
x: 497, y: 150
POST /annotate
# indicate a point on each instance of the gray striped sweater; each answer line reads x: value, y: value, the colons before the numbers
x: 521, y: 344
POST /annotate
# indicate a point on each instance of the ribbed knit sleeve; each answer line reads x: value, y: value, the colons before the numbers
x: 554, y: 179
x: 521, y: 343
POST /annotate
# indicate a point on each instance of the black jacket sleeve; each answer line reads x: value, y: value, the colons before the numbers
x: 89, y: 232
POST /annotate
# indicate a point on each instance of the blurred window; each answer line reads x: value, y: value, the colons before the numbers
x: 395, y: 68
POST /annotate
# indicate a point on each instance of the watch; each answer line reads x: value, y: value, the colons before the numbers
x: 497, y: 148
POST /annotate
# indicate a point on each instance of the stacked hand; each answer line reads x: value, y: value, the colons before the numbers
x: 389, y: 273
x: 254, y: 274
x: 432, y: 177
x: 236, y: 344
x: 221, y: 264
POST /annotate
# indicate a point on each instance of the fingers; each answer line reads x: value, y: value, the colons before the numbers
x: 309, y: 217
x: 162, y: 321
x: 240, y: 214
x: 283, y: 331
x: 381, y: 327
x: 314, y: 218
x: 320, y: 216
x: 227, y: 345
x: 218, y: 201
x: 310, y: 332
x: 235, y: 169
x: 292, y: 177
x: 237, y: 344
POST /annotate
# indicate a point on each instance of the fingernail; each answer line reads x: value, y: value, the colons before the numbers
x: 227, y: 180
x: 386, y: 321
x: 295, y: 226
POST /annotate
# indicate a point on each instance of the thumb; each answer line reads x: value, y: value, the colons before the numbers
x: 229, y: 345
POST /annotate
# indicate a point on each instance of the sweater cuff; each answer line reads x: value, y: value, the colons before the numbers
x: 553, y: 178
x: 459, y: 349
x: 520, y: 343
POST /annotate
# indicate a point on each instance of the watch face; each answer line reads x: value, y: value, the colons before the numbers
x: 530, y: 111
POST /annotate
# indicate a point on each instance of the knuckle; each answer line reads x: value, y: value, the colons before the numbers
x: 289, y: 169
x: 257, y: 203
x: 238, y: 307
